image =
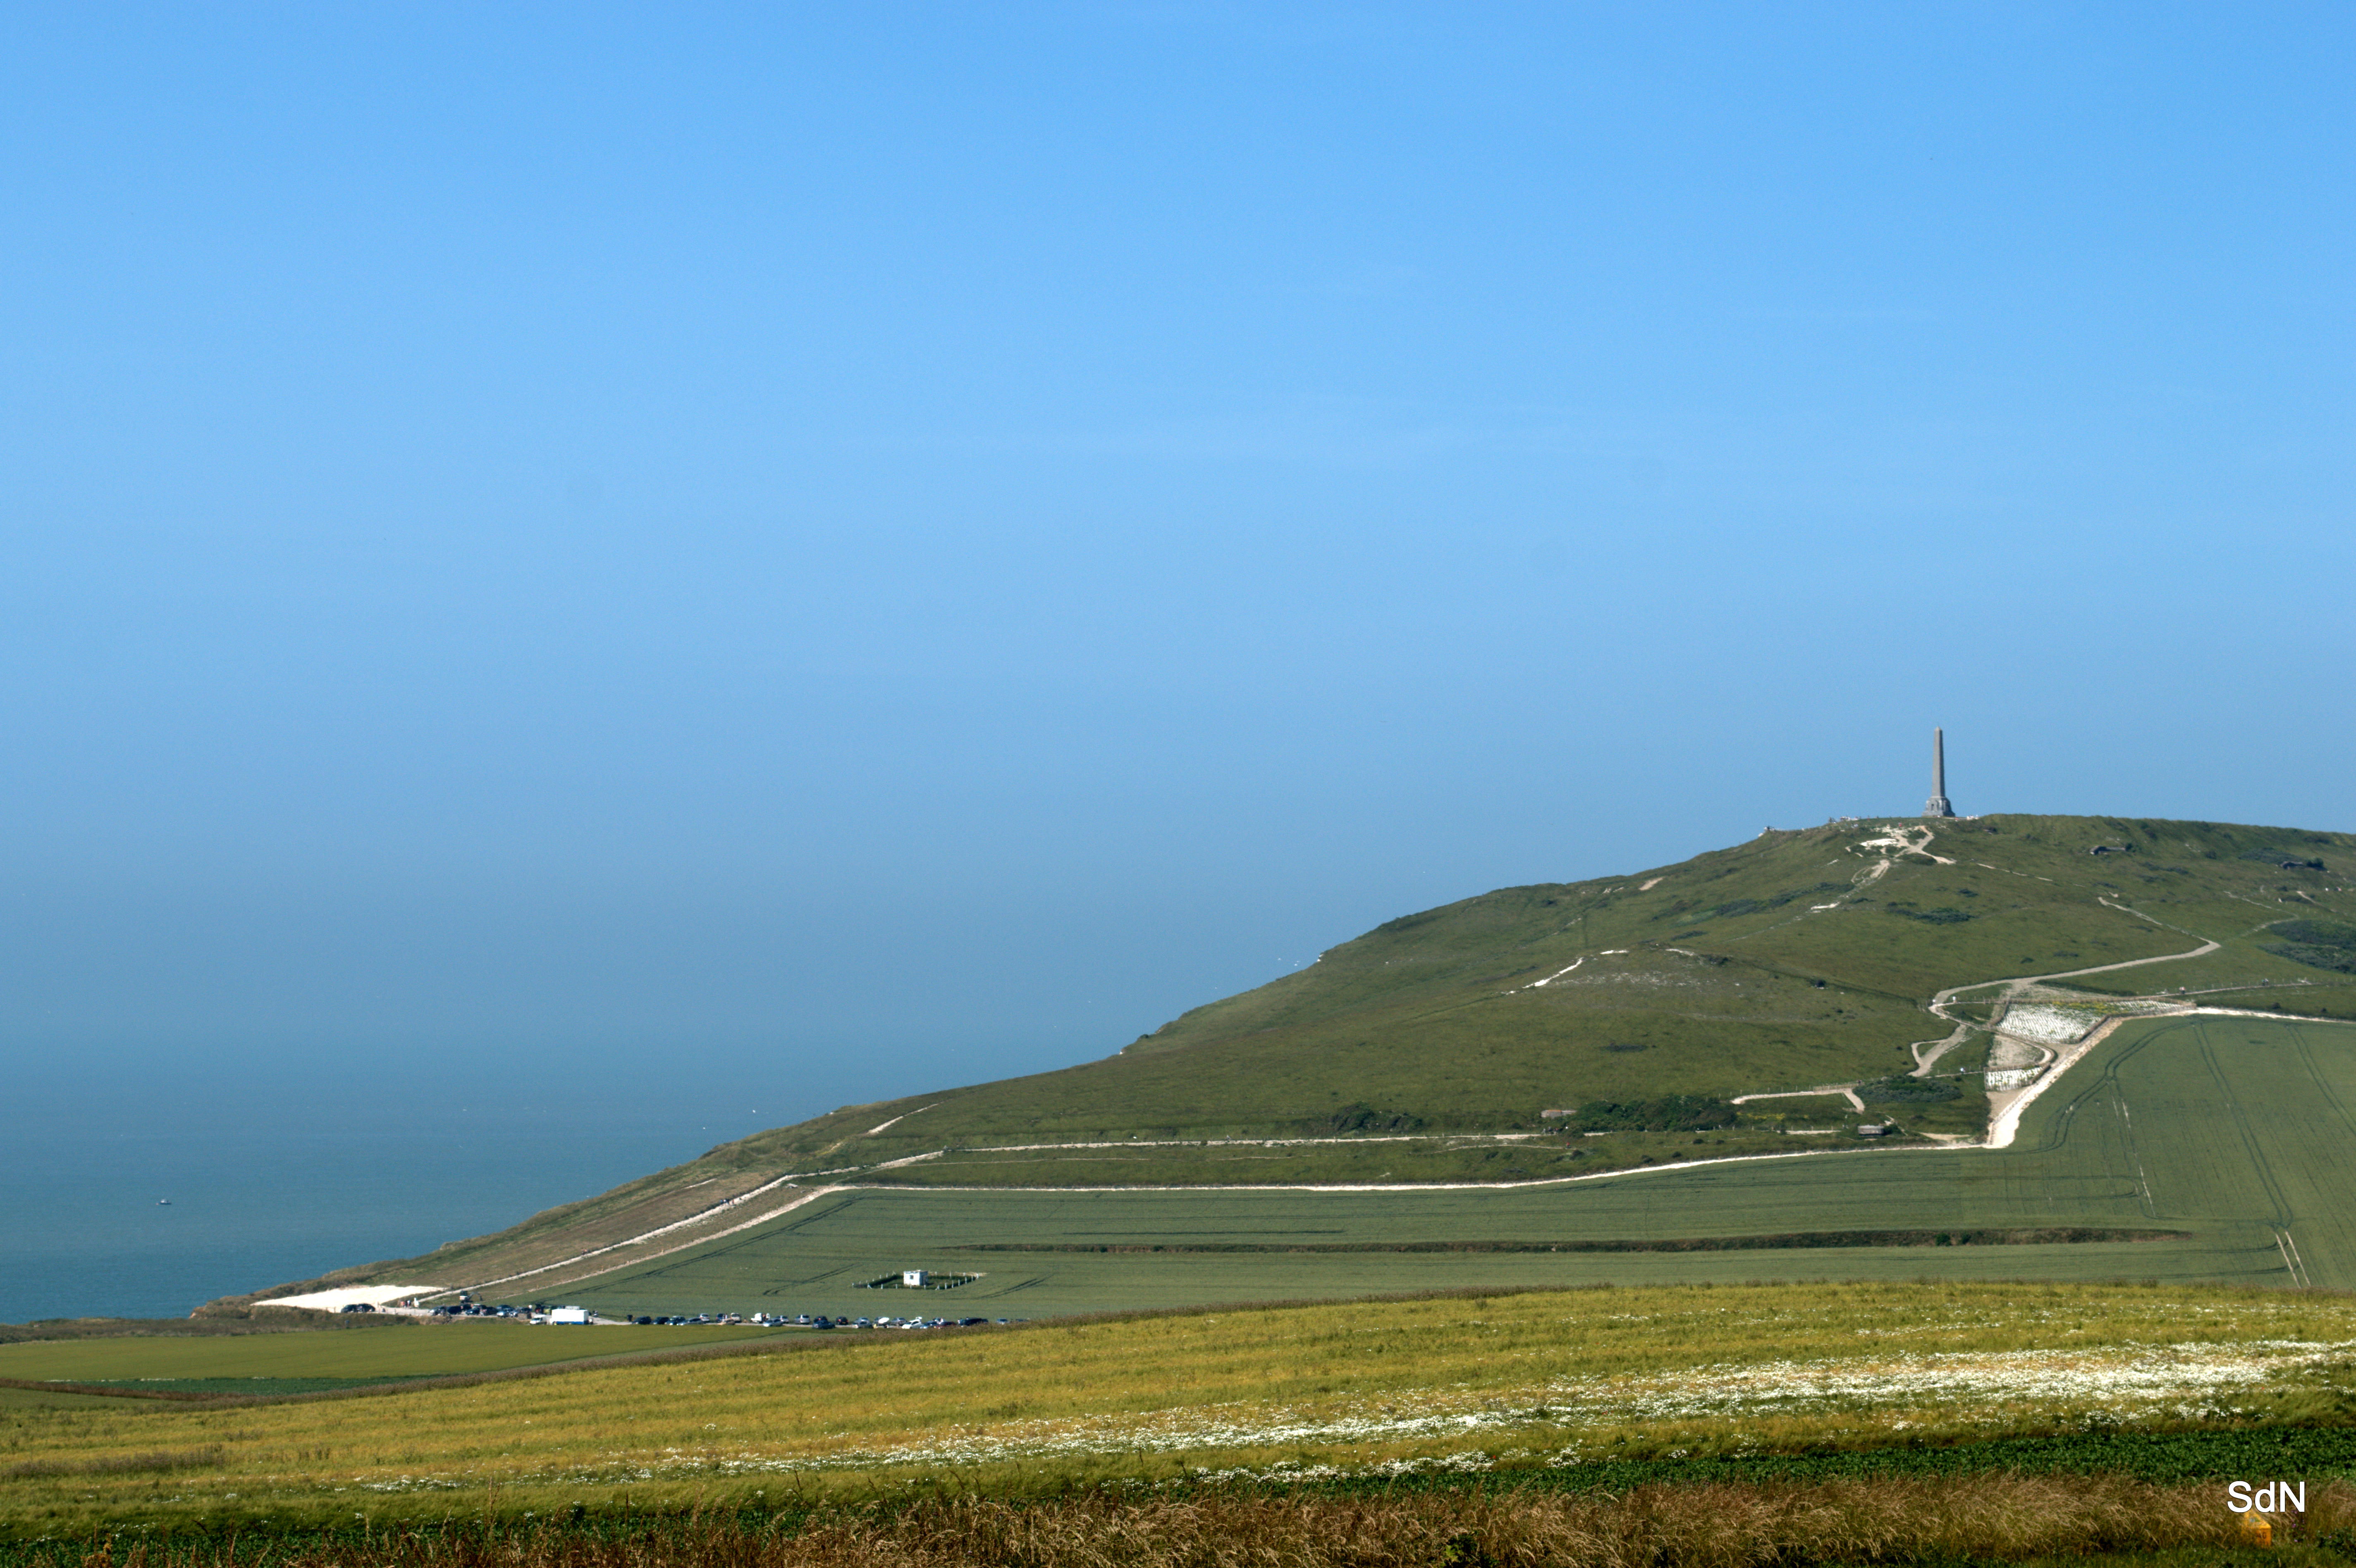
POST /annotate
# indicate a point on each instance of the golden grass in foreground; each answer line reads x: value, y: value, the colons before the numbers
x: 1532, y: 1380
x: 1690, y: 1526
x: 1694, y: 1526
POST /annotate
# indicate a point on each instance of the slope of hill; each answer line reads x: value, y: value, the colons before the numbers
x: 1799, y: 960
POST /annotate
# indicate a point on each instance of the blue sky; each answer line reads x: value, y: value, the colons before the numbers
x: 844, y: 549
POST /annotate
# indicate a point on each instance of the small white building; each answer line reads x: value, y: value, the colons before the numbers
x: 914, y: 1279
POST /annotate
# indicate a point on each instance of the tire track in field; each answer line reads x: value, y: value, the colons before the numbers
x: 2107, y: 1081
x: 2283, y: 1216
x: 2302, y: 1042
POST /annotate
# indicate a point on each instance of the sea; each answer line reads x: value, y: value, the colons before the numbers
x: 140, y: 1183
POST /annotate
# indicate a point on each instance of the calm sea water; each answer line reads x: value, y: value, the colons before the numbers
x: 282, y: 1169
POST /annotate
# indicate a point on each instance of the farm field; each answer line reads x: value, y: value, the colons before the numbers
x: 1542, y: 1383
x: 299, y: 1363
x: 2228, y: 1135
x: 1055, y: 1258
x: 2239, y: 1124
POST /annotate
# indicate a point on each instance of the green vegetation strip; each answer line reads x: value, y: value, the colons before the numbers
x: 2050, y: 1235
x: 261, y: 1387
x: 2255, y: 1453
x: 337, y: 1360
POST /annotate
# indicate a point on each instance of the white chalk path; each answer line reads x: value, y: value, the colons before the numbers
x: 1556, y: 976
x: 2017, y: 984
x: 700, y: 1217
x: 1847, y: 1090
x: 1236, y: 1143
x: 1622, y: 1174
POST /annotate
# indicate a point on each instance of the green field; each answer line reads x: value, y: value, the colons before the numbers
x: 2231, y: 1131
x: 301, y: 1363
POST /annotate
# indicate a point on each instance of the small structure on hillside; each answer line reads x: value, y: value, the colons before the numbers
x: 913, y: 1279
x: 1937, y: 805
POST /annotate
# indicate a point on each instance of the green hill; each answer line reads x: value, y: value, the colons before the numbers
x: 1790, y: 961
x: 1432, y: 1047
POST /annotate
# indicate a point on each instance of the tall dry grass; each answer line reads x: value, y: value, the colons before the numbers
x: 1704, y: 1526
x: 1666, y: 1526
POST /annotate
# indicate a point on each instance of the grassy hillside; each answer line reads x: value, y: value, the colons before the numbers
x: 1719, y: 976
x: 1799, y: 959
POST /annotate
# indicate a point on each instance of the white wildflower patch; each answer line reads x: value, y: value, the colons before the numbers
x: 2049, y: 1024
x: 1990, y: 1389
x: 2009, y: 1051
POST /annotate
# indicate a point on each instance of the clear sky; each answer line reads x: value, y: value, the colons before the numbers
x: 836, y: 550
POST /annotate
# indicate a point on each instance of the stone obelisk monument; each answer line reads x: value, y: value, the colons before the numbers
x: 1937, y: 805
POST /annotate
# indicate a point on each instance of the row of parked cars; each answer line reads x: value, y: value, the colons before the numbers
x: 804, y: 1320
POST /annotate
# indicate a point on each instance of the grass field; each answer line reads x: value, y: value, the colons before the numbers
x: 1538, y: 1384
x: 298, y: 1364
x: 1164, y: 1249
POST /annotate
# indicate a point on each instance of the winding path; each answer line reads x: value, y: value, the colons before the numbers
x: 2014, y: 987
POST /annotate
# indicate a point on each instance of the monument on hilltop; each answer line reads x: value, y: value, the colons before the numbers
x: 1937, y: 805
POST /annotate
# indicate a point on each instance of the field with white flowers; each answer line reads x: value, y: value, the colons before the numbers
x: 1546, y: 1384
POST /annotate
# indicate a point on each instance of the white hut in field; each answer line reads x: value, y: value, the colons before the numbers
x: 914, y: 1279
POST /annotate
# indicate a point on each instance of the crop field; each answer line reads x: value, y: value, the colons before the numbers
x: 1044, y: 1255
x: 2240, y: 1124
x: 2224, y: 1138
x: 300, y: 1363
x: 1559, y: 1384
